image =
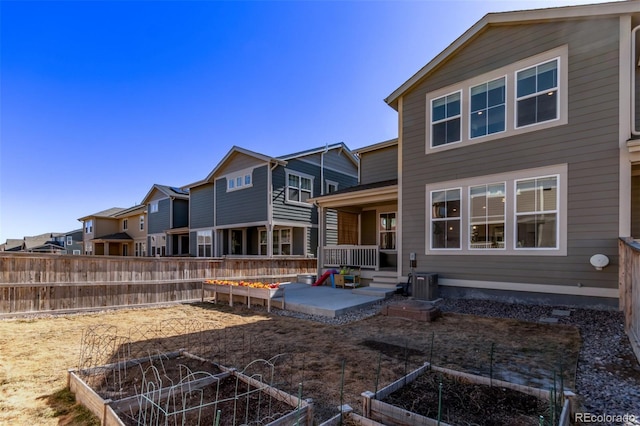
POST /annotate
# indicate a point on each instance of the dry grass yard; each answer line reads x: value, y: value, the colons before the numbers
x: 35, y: 353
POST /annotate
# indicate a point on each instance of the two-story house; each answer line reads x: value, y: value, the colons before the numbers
x: 519, y: 156
x: 252, y: 204
x: 168, y: 227
x: 366, y: 218
x: 73, y: 242
x: 116, y: 232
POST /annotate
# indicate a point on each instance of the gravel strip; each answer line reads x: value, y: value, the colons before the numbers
x: 608, y: 374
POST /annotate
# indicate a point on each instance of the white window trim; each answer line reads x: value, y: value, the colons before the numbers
x: 125, y: 224
x: 559, y: 170
x: 209, y: 233
x: 431, y: 219
x: 506, y: 107
x: 516, y: 99
x: 88, y: 226
x: 394, y: 231
x: 153, y: 207
x: 286, y: 186
x: 141, y: 223
x: 329, y: 183
x: 460, y: 116
x: 556, y: 212
x: 76, y: 252
x: 504, y: 212
x: 232, y: 180
x: 561, y: 52
x: 69, y: 240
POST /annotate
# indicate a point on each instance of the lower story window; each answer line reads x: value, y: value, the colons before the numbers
x: 281, y: 242
x: 387, y: 231
x: 520, y: 212
x: 205, y: 243
x: 445, y: 219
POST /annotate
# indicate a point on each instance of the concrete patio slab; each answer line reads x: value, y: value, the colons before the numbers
x: 323, y: 300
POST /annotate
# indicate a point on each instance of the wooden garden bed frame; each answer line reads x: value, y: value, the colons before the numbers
x: 373, y: 408
x: 107, y: 410
x: 266, y: 295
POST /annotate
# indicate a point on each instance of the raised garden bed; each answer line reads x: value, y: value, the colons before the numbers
x: 180, y: 388
x: 433, y: 395
x: 247, y: 290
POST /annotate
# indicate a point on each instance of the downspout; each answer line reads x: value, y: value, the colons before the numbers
x: 270, y: 210
x: 326, y: 149
x: 634, y: 64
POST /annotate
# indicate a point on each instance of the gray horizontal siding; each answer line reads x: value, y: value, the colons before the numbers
x: 344, y: 181
x: 588, y: 144
x: 159, y: 221
x: 340, y: 162
x: 237, y: 162
x: 244, y: 205
x: 292, y: 212
x: 201, y: 206
x: 379, y: 165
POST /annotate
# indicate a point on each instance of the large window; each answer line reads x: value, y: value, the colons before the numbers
x: 88, y: 226
x: 525, y: 96
x: 522, y: 212
x: 69, y: 240
x: 486, y: 216
x: 488, y: 112
x: 153, y: 207
x: 281, y: 242
x: 445, y: 222
x: 445, y: 119
x: 299, y: 187
x: 387, y: 231
x: 537, y: 212
x: 205, y: 243
x: 537, y: 94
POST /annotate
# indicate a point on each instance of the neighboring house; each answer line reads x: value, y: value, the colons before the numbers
x: 168, y: 227
x: 73, y: 242
x: 367, y: 217
x: 256, y: 205
x: 52, y: 242
x: 12, y: 244
x: 116, y: 232
x: 519, y: 155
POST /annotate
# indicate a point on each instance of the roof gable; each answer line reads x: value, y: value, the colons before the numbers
x: 503, y: 18
x: 167, y: 191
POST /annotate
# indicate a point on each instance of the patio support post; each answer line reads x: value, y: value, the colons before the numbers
x: 322, y: 222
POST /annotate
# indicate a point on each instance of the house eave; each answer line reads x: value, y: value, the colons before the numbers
x: 507, y: 18
x: 366, y: 196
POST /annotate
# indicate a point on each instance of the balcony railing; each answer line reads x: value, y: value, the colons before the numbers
x: 366, y: 257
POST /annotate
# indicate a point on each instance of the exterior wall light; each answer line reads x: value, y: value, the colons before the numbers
x: 599, y: 261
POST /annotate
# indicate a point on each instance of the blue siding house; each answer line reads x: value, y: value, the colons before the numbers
x: 168, y: 221
x: 252, y: 204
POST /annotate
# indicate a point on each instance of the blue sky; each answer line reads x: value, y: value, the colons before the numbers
x: 99, y: 100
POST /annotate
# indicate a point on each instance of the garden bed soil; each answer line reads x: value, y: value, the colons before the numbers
x: 463, y: 402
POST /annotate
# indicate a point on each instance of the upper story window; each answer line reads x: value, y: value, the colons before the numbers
x: 445, y: 119
x: 239, y: 180
x: 125, y: 224
x: 142, y: 223
x: 525, y: 96
x: 537, y: 94
x: 488, y: 109
x: 153, y: 207
x: 69, y: 240
x: 88, y: 226
x: 299, y: 187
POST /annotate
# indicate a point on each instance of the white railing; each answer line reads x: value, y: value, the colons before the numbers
x: 366, y: 257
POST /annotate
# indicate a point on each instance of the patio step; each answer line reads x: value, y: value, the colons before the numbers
x: 374, y: 291
x: 388, y: 280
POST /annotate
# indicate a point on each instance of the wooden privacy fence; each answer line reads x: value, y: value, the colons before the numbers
x: 630, y: 290
x: 41, y: 283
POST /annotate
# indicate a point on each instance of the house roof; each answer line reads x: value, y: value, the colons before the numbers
x: 39, y: 240
x: 135, y: 210
x: 506, y: 18
x: 13, y: 244
x: 235, y: 150
x: 383, y: 191
x: 340, y: 146
x: 169, y: 191
x: 104, y: 213
x: 376, y: 146
x: 118, y: 236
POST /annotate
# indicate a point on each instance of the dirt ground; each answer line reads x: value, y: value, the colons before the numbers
x: 334, y: 364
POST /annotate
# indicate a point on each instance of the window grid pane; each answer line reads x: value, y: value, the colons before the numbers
x: 537, y: 94
x: 536, y: 212
x: 487, y: 216
x: 445, y: 118
x: 445, y: 215
x: 488, y: 108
